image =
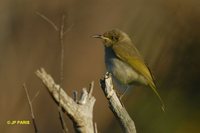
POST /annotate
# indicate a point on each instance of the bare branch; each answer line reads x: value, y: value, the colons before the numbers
x: 68, y: 29
x: 31, y: 109
x: 48, y: 20
x: 80, y: 114
x: 38, y: 92
x: 61, y: 35
x: 61, y: 32
x: 63, y: 124
x: 115, y: 105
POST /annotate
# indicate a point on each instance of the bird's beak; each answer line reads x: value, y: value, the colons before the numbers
x: 98, y: 36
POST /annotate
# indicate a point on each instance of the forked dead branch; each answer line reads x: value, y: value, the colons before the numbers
x: 80, y: 111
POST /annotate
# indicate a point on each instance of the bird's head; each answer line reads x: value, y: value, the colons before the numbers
x: 112, y: 37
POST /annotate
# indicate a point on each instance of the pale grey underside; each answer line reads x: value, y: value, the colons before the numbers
x: 123, y: 74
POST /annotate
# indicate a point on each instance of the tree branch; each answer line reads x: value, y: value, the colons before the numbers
x: 31, y: 108
x: 48, y: 20
x: 115, y: 105
x: 79, y: 111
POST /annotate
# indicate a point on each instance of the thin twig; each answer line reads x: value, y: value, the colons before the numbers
x: 37, y: 93
x: 63, y: 124
x: 68, y: 29
x: 48, y: 20
x: 61, y: 35
x: 31, y: 109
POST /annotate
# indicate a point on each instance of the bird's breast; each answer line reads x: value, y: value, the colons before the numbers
x: 121, y: 71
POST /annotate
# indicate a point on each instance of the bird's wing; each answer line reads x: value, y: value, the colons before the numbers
x: 128, y: 53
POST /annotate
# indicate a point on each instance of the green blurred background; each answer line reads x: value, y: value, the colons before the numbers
x: 166, y: 32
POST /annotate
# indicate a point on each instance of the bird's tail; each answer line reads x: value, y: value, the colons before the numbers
x: 153, y: 87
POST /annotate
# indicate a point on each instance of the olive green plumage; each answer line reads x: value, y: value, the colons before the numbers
x: 125, y: 62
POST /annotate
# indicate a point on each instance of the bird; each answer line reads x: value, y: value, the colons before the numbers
x: 125, y: 63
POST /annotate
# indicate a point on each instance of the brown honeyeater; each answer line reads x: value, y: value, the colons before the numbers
x: 125, y: 63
